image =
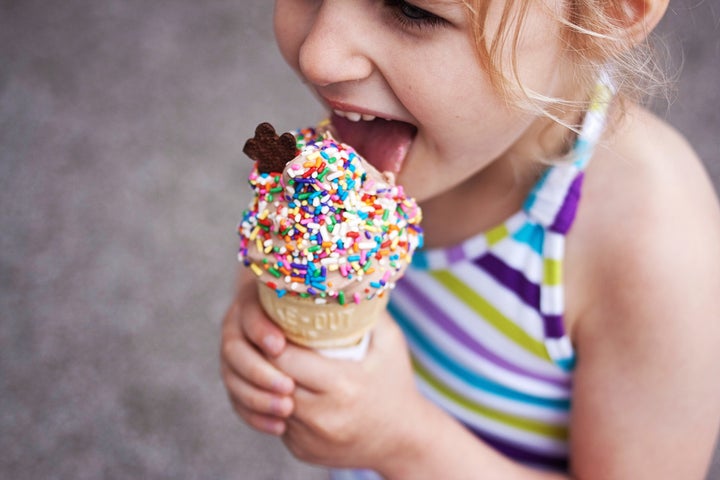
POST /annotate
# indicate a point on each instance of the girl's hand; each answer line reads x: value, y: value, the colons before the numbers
x: 259, y: 392
x: 353, y: 414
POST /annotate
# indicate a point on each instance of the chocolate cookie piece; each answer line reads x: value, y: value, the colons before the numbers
x: 270, y: 151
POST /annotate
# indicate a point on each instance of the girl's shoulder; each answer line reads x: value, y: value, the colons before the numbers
x: 644, y: 171
x: 649, y: 219
x: 642, y: 289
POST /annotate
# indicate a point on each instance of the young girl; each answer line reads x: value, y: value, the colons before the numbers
x: 562, y: 319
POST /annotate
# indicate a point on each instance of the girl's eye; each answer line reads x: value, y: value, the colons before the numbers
x: 408, y: 15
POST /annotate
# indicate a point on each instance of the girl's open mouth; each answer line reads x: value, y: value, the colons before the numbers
x: 383, y: 143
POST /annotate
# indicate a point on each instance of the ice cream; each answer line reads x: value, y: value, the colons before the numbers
x: 326, y: 234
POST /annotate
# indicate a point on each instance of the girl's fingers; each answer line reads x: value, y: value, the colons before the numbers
x: 246, y: 362
x: 256, y: 400
x: 259, y: 329
x: 311, y: 370
x: 263, y: 423
x: 258, y: 391
x: 308, y: 367
x: 305, y: 406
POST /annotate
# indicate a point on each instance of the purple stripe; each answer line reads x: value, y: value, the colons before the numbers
x: 521, y: 454
x: 528, y: 291
x: 353, y: 474
x: 510, y: 278
x: 554, y: 327
x: 566, y: 214
x: 455, y: 254
x: 444, y: 322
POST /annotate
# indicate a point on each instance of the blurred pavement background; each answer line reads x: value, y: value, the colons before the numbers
x: 121, y: 182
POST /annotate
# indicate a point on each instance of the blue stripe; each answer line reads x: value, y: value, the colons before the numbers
x: 530, y: 201
x: 532, y: 235
x: 419, y: 260
x: 469, y: 377
x: 583, y: 150
x: 567, y: 364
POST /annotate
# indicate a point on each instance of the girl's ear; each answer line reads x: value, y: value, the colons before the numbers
x: 638, y: 18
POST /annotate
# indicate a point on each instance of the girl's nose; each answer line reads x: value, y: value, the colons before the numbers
x: 334, y: 50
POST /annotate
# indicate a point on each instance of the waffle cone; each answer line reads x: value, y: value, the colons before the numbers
x: 321, y: 326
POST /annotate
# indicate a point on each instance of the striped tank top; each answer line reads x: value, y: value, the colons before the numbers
x: 484, y: 319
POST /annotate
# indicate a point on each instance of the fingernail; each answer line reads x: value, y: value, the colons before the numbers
x: 280, y: 406
x: 282, y: 385
x: 275, y: 428
x: 272, y: 344
x: 280, y: 428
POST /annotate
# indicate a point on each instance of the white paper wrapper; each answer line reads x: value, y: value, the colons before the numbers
x: 356, y: 352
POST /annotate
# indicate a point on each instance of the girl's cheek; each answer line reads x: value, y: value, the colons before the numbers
x: 289, y: 55
x: 288, y: 31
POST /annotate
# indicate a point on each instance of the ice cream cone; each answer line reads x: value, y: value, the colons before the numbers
x: 327, y: 236
x: 321, y: 326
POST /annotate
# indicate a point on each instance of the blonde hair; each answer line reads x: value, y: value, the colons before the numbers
x: 595, y: 37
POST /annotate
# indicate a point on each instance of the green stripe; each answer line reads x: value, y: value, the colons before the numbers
x: 483, y: 308
x: 530, y: 425
x: 553, y: 272
x: 496, y: 234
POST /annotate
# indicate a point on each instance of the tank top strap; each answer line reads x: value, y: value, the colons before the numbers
x: 554, y: 199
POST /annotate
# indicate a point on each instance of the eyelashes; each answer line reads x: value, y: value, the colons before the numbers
x: 412, y: 17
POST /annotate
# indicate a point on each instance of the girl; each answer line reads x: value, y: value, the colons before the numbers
x: 563, y: 317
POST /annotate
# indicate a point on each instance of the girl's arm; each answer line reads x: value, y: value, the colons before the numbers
x: 647, y: 392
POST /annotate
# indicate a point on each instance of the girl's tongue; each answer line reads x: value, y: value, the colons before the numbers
x: 383, y: 143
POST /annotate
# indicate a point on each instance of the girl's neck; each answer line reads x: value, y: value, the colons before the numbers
x: 498, y: 191
x: 478, y: 204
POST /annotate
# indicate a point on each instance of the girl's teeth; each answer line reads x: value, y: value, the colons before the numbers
x: 354, y: 116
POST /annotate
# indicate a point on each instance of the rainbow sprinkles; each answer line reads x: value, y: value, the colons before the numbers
x: 329, y: 227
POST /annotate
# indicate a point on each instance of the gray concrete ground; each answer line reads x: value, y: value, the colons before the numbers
x: 121, y: 181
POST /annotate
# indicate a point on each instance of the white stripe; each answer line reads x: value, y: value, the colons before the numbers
x: 371, y: 475
x: 516, y: 221
x: 505, y: 300
x: 477, y: 327
x: 554, y: 246
x: 520, y: 408
x: 521, y: 257
x: 471, y: 361
x: 475, y: 246
x: 341, y: 475
x: 559, y: 348
x: 547, y: 202
x: 595, y: 119
x: 552, y: 299
x: 435, y: 259
x: 594, y: 126
x: 532, y: 441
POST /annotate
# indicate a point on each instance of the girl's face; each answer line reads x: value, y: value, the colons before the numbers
x: 415, y: 64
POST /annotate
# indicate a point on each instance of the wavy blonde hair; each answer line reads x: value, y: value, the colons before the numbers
x: 594, y: 33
